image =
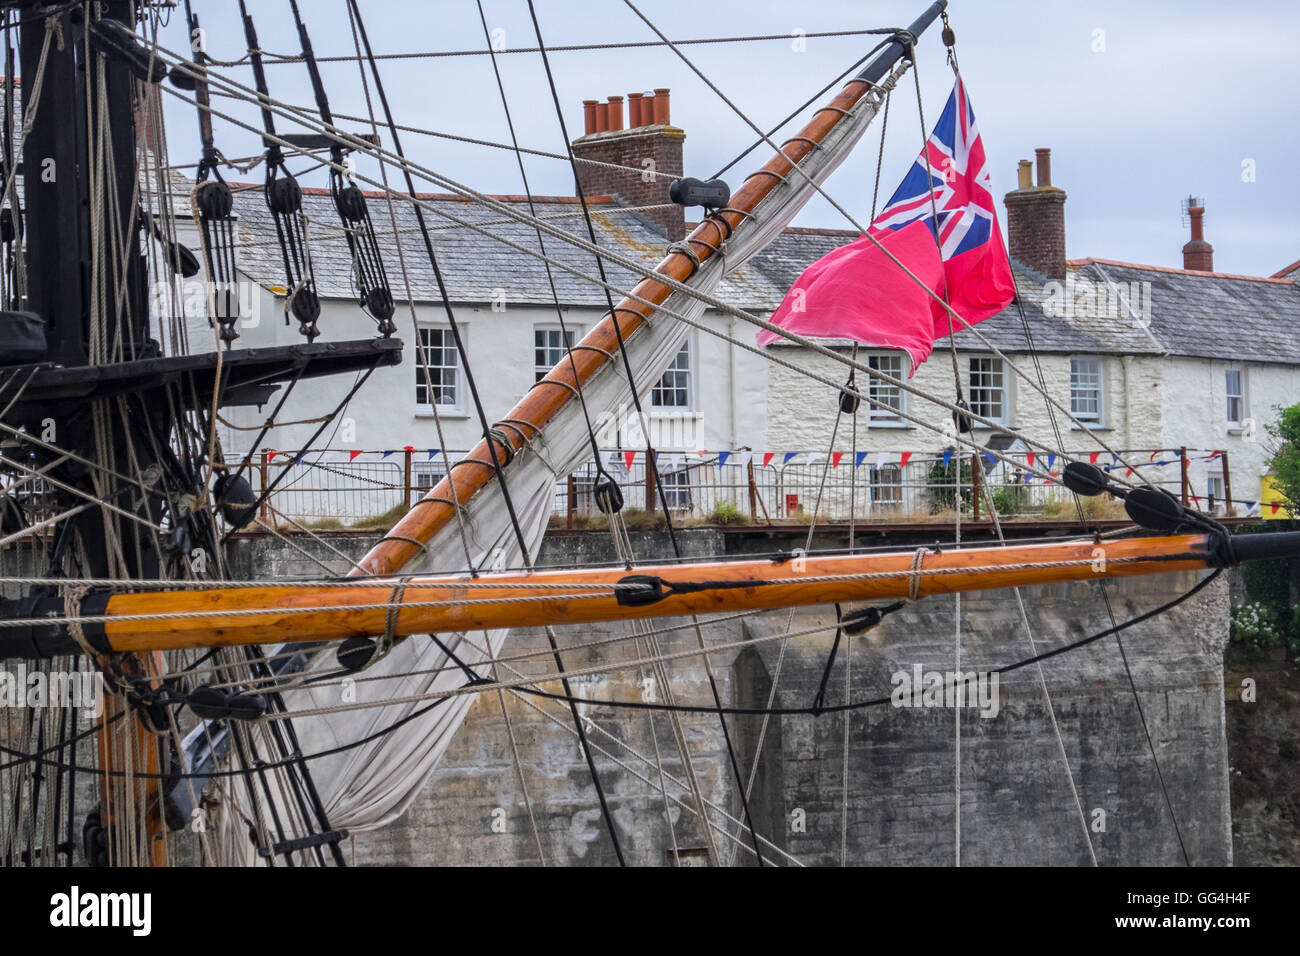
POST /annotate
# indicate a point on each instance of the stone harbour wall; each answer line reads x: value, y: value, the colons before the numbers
x: 888, y: 798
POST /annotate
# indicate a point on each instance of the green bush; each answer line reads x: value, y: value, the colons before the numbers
x: 727, y: 513
x: 1008, y: 500
x: 1254, y: 625
x: 1285, y: 462
x: 941, y: 499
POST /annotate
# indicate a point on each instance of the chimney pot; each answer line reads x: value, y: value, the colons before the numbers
x: 613, y: 165
x: 1198, y: 255
x: 661, y: 106
x: 589, y: 116
x: 1025, y: 175
x: 1044, y: 167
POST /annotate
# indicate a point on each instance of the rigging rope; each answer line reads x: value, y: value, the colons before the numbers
x: 652, y: 465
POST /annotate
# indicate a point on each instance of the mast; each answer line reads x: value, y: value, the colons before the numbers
x: 600, y: 346
x: 117, y: 405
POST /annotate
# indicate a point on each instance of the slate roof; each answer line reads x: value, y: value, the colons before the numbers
x: 474, y: 264
x: 1215, y: 315
x: 1197, y: 314
x: 1205, y: 315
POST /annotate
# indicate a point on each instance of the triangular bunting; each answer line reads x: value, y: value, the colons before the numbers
x: 352, y: 455
x: 1092, y: 457
x: 861, y: 457
x: 432, y: 452
x: 906, y: 457
x: 788, y: 456
x: 722, y: 458
x: 767, y: 458
x: 835, y: 459
x: 628, y: 458
x: 947, y: 457
x: 1029, y: 459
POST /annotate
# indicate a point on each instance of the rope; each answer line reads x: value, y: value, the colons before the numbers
x: 640, y: 269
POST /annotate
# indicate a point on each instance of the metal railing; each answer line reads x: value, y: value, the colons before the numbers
x: 326, y: 488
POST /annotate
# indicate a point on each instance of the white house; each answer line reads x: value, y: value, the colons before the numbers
x: 1153, y: 360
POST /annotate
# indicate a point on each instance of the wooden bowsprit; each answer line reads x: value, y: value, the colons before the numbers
x: 171, y: 620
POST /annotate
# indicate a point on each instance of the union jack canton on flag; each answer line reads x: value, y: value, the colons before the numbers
x: 858, y: 292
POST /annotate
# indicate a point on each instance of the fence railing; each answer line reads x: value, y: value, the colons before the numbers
x: 340, y: 488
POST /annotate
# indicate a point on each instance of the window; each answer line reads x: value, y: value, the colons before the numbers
x: 677, y: 489
x: 550, y: 346
x: 427, y: 475
x: 886, y: 486
x: 1214, y: 495
x: 988, y: 389
x: 674, y: 389
x: 1235, y: 383
x: 889, y: 396
x: 1085, y: 389
x: 442, y: 384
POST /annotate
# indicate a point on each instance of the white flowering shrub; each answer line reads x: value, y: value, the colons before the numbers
x: 1254, y: 625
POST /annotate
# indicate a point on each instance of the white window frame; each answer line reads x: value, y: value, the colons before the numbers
x: 886, y: 418
x: 1099, y: 387
x: 677, y: 489
x: 427, y: 474
x: 422, y: 406
x: 996, y: 366
x: 575, y: 336
x: 1239, y: 396
x: 886, y: 485
x: 692, y: 364
x: 1214, y: 489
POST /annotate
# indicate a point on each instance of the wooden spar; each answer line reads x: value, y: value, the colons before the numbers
x: 601, y: 344
x: 267, y: 615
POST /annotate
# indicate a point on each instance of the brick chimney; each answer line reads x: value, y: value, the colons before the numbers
x: 1036, y: 219
x: 1198, y: 255
x: 649, y: 143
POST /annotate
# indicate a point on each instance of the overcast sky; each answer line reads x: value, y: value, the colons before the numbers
x: 1141, y: 103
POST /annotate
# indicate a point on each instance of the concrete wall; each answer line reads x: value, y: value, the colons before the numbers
x: 1015, y: 797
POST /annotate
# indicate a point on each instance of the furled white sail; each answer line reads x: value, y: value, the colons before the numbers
x: 373, y: 783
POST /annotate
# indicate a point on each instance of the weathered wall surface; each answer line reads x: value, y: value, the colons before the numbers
x: 1016, y: 801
